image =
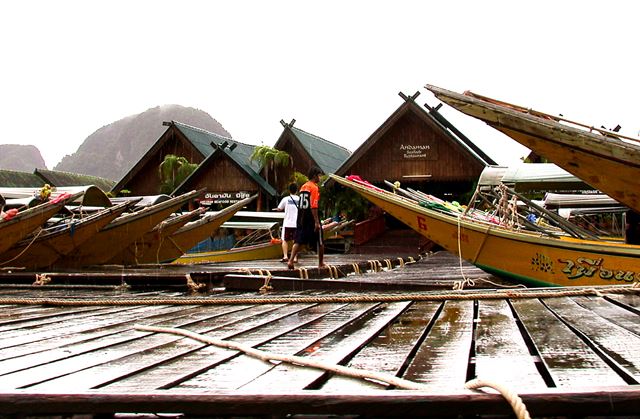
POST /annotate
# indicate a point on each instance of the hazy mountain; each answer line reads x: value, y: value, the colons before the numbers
x: 21, y: 158
x: 113, y: 149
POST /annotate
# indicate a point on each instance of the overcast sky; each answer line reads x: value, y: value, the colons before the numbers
x: 70, y: 67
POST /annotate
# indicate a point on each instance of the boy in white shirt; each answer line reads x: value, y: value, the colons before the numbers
x: 289, y: 204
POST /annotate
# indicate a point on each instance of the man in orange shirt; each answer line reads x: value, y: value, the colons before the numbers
x: 309, y: 230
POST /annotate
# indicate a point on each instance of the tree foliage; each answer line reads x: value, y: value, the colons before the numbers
x: 173, y: 171
x: 270, y: 158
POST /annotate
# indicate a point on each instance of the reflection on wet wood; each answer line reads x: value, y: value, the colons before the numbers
x: 575, y: 349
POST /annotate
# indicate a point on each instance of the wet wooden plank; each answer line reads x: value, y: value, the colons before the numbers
x: 338, y: 347
x: 617, y: 343
x: 242, y: 369
x: 570, y: 362
x: 86, y: 355
x: 443, y: 358
x: 353, y: 283
x: 30, y: 318
x: 628, y: 300
x: 620, y: 316
x: 390, y: 351
x: 81, y: 331
x: 501, y: 353
x: 155, y: 349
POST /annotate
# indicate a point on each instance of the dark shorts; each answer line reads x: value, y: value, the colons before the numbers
x: 309, y: 236
x: 289, y: 233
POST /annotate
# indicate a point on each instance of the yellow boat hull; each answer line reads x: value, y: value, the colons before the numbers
x: 520, y: 256
x: 256, y: 252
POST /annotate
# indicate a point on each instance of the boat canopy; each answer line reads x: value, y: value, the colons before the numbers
x: 144, y: 201
x: 259, y: 215
x: 531, y: 176
x: 92, y: 196
x: 558, y: 200
x: 248, y: 225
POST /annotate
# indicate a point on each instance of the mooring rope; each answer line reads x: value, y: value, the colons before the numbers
x: 356, y: 269
x: 42, y: 279
x: 357, y: 298
x: 266, y: 287
x: 514, y: 400
x: 468, y: 282
x: 23, y: 250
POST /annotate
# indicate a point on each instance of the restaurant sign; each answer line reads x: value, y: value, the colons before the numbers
x: 422, y: 151
x: 224, y: 197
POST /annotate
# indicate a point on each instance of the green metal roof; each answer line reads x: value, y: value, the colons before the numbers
x: 240, y: 159
x: 57, y: 178
x: 202, y: 139
x: 327, y: 155
x: 14, y: 179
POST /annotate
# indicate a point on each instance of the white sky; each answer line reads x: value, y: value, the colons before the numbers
x: 69, y: 67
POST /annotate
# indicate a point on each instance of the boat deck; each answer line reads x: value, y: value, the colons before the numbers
x: 77, y: 350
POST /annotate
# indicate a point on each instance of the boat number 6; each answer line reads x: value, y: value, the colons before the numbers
x: 422, y: 223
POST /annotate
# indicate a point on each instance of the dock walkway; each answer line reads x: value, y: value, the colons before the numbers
x: 78, y: 351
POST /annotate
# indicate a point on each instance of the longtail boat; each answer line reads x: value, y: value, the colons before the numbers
x: 522, y: 256
x: 15, y: 226
x: 42, y: 249
x: 152, y: 240
x: 271, y: 249
x: 266, y: 250
x: 191, y: 234
x: 121, y: 232
x: 606, y: 160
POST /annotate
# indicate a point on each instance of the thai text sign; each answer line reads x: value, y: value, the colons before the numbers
x: 224, y: 197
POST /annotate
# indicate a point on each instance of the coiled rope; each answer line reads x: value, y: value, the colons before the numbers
x: 514, y: 400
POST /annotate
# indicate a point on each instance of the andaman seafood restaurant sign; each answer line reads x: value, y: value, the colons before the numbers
x: 422, y: 151
x: 224, y: 197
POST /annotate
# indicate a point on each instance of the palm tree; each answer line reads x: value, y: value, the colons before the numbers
x: 173, y: 171
x: 269, y: 158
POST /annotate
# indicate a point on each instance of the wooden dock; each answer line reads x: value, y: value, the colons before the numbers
x: 77, y: 350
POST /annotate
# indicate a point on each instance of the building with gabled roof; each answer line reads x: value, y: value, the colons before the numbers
x: 15, y: 179
x: 419, y: 148
x: 309, y: 150
x: 227, y: 176
x: 61, y: 179
x: 181, y: 140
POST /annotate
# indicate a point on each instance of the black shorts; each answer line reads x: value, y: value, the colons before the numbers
x: 289, y: 233
x: 308, y: 235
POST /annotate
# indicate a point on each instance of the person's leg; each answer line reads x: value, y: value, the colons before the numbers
x: 320, y: 255
x: 285, y: 250
x: 294, y: 254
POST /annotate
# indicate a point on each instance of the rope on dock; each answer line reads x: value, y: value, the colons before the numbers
x: 41, y: 279
x: 192, y: 285
x: 356, y: 269
x: 304, y: 273
x: 291, y: 359
x: 514, y: 400
x: 357, y: 298
x: 266, y: 287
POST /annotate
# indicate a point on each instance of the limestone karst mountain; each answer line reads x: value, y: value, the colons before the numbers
x: 113, y: 149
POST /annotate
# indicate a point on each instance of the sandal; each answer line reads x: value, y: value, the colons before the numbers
x: 284, y: 260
